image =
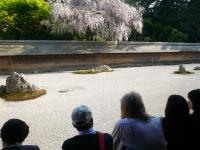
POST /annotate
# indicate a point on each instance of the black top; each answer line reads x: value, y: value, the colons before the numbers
x: 195, y: 129
x: 87, y: 142
x: 22, y: 147
x: 177, y: 134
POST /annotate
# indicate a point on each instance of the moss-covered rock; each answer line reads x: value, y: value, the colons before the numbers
x: 90, y: 71
x: 21, y: 96
x: 99, y: 69
x: 182, y: 70
x: 18, y: 88
x: 104, y: 68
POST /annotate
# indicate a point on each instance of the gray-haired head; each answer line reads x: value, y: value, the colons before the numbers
x: 82, y: 117
x: 132, y: 106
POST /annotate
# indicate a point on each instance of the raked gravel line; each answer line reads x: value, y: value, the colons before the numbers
x: 49, y: 116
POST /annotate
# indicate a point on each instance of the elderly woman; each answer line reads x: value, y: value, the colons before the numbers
x: 137, y: 130
x: 88, y: 138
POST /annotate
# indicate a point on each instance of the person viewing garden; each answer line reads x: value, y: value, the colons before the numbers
x: 176, y: 123
x: 88, y: 138
x: 194, y: 100
x: 13, y: 133
x: 136, y: 129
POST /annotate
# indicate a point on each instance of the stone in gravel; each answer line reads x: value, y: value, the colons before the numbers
x: 104, y: 68
x: 197, y: 68
x: 2, y: 89
x: 18, y: 83
x: 67, y: 90
x: 182, y: 69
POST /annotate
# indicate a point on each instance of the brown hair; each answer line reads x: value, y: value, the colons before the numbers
x: 132, y: 106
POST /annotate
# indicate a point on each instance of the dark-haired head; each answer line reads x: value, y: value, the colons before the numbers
x: 177, y: 108
x: 194, y: 97
x: 132, y: 106
x: 14, y: 131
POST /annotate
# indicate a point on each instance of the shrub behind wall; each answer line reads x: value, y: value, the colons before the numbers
x: 24, y: 19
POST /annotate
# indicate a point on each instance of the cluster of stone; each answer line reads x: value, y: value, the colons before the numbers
x: 197, y: 68
x: 17, y: 83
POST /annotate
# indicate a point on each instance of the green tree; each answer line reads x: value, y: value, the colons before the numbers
x: 6, y: 22
x: 23, y: 19
x: 169, y: 21
x: 193, y: 21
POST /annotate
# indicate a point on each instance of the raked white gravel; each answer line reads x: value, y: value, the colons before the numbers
x: 49, y: 116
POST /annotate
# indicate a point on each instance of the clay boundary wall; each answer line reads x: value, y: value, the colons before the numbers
x: 58, y: 62
x: 41, y: 56
x: 82, y: 47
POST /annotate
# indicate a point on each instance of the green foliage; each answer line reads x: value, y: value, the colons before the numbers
x: 23, y: 96
x: 88, y: 36
x: 169, y: 21
x: 160, y: 32
x: 164, y: 21
x: 6, y: 22
x: 23, y: 19
x: 131, y: 2
x: 90, y: 71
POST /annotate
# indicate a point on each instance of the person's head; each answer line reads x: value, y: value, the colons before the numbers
x: 194, y: 97
x: 82, y: 118
x: 176, y: 108
x: 14, y: 131
x: 132, y: 106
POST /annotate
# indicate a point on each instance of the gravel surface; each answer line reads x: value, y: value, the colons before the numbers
x: 49, y: 116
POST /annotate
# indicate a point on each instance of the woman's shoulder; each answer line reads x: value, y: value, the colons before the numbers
x: 127, y: 121
x: 156, y: 120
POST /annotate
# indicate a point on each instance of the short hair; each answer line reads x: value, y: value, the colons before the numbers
x: 132, y: 104
x: 176, y: 108
x: 14, y: 131
x: 194, y: 97
x: 82, y: 117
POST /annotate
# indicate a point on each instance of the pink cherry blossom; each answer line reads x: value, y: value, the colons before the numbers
x: 109, y: 19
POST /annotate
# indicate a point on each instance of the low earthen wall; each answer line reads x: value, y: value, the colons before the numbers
x: 55, y: 62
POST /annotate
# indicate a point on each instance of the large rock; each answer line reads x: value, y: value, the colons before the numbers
x: 104, y: 68
x: 18, y: 83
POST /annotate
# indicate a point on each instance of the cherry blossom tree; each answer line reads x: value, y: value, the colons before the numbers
x: 107, y: 19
